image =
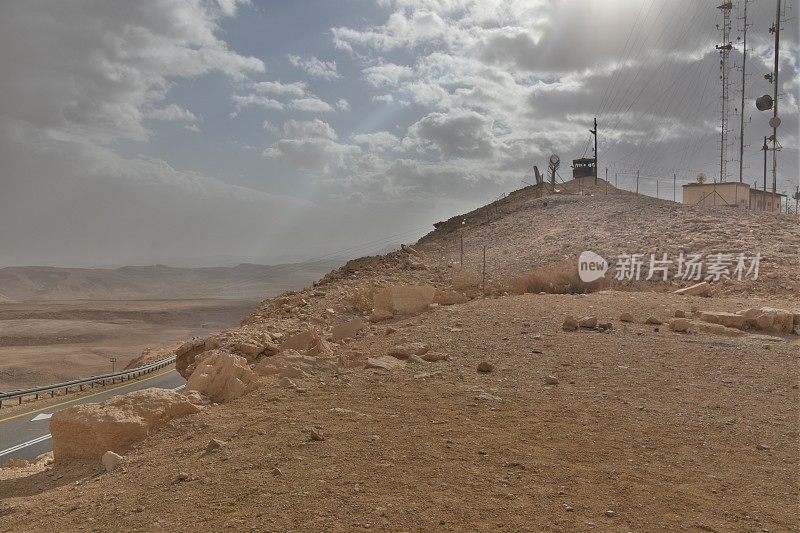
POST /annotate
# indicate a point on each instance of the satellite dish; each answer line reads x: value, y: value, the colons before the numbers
x: 555, y: 160
x: 775, y: 122
x: 764, y: 102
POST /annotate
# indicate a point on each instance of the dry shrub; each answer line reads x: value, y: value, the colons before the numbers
x: 466, y: 281
x: 559, y: 279
x: 361, y: 299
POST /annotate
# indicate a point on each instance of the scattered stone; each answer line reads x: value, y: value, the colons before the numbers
x: 719, y: 329
x: 384, y: 362
x: 316, y: 434
x: 286, y: 383
x: 44, y: 459
x: 347, y: 330
x: 404, y: 351
x: 699, y: 289
x: 89, y: 430
x: 551, y: 380
x: 653, y: 321
x: 570, y: 324
x: 111, y: 460
x: 775, y: 320
x: 183, y: 476
x: 277, y: 472
x: 485, y: 367
x: 680, y: 325
x: 679, y: 313
x: 610, y: 513
x: 626, y: 317
x: 588, y: 322
x: 435, y: 357
x: 762, y: 447
x: 485, y: 396
x: 379, y: 315
x: 424, y: 375
x: 15, y: 463
x: 214, y: 445
x: 729, y: 320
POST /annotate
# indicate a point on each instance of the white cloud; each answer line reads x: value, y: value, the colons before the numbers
x: 311, y: 105
x: 342, y: 105
x: 458, y: 133
x: 378, y: 141
x: 309, y: 129
x: 277, y: 88
x: 387, y: 74
x: 311, y: 145
x: 172, y: 112
x: 257, y: 101
x: 383, y: 98
x: 193, y: 128
x: 315, y: 67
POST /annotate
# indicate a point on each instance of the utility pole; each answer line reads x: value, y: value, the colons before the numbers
x: 765, y: 148
x: 674, y: 187
x: 775, y: 122
x: 637, y: 182
x: 725, y: 52
x: 616, y: 185
x: 744, y: 81
x: 606, y: 180
x: 594, y: 132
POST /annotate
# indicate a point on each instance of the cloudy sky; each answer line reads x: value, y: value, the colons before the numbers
x: 203, y: 132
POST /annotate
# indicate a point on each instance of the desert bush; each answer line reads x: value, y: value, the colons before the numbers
x: 558, y: 279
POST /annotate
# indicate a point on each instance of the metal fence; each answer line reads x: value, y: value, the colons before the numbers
x: 79, y: 384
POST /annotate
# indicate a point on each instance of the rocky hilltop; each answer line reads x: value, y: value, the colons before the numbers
x: 409, y: 392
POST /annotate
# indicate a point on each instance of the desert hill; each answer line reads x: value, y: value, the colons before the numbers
x: 156, y: 282
x: 403, y: 393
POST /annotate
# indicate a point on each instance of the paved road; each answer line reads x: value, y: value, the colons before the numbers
x: 27, y: 435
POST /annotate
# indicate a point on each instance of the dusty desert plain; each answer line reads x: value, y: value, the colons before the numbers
x: 43, y: 342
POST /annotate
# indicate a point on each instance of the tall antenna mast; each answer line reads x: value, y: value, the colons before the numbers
x: 725, y: 52
x: 776, y: 121
x: 744, y: 81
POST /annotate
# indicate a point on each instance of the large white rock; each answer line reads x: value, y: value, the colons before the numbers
x: 222, y: 377
x: 699, y: 289
x: 88, y: 431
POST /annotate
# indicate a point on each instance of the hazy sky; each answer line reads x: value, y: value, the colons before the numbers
x: 197, y: 132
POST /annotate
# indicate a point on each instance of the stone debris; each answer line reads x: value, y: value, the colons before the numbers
x: 435, y: 357
x: 551, y: 380
x: 653, y: 321
x: 570, y: 324
x: 699, y: 289
x: 406, y: 350
x: 15, y: 463
x: 347, y: 330
x: 626, y: 317
x: 766, y: 319
x: 588, y: 322
x: 485, y: 396
x: 89, y: 430
x: 316, y: 434
x: 222, y: 377
x: 485, y: 367
x: 680, y: 325
x: 111, y: 461
x: 214, y: 445
x: 405, y: 299
x: 384, y: 362
x: 380, y: 315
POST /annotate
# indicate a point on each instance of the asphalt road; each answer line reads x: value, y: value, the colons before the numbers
x: 27, y: 435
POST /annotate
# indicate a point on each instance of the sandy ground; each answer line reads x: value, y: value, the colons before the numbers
x: 645, y: 430
x: 53, y: 341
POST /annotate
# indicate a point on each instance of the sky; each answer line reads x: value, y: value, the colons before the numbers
x: 203, y: 132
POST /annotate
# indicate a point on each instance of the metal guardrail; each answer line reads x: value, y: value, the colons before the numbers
x: 102, y: 380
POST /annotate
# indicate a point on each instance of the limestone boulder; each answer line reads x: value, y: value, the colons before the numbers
x: 222, y: 377
x: 186, y: 354
x: 384, y: 362
x: 699, y: 289
x: 89, y: 430
x: 775, y: 320
x: 729, y: 320
x: 680, y: 325
x: 405, y: 299
x: 406, y: 350
x: 347, y: 330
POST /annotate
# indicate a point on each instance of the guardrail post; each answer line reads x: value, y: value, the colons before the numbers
x: 20, y: 400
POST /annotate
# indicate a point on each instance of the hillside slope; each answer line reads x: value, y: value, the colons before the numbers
x: 515, y: 425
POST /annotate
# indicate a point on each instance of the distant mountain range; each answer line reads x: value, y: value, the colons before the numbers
x: 245, y: 281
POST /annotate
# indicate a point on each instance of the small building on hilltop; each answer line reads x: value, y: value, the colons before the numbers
x: 731, y: 193
x: 586, y: 167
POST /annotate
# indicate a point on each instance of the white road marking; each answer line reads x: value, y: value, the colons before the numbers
x: 176, y: 389
x: 31, y: 442
x: 41, y: 416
